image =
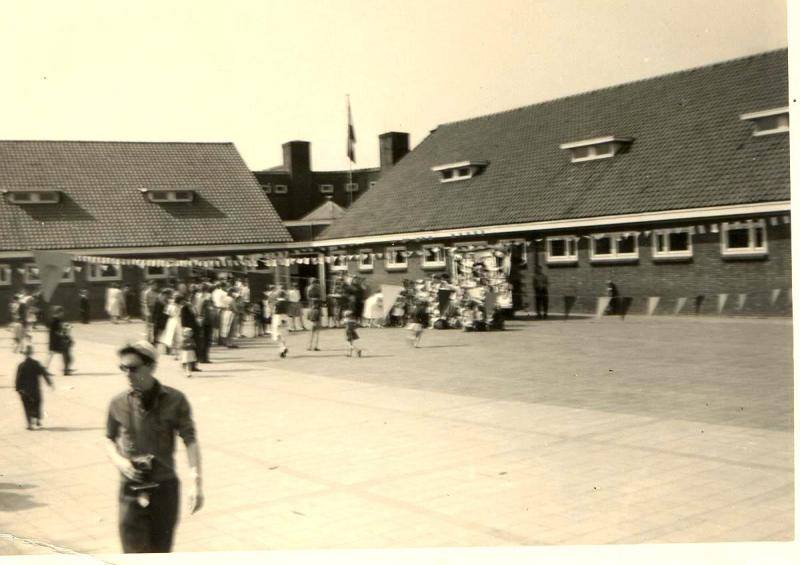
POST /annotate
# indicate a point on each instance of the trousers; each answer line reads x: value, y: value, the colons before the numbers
x: 32, y: 403
x: 150, y: 529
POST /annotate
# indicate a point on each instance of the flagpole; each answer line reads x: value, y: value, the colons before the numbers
x: 350, y: 153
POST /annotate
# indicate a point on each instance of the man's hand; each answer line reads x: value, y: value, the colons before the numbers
x: 196, y: 499
x: 126, y: 468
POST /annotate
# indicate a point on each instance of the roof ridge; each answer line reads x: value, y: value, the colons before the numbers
x: 619, y: 85
x: 98, y: 141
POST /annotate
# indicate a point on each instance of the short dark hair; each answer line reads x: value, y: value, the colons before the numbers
x: 129, y: 349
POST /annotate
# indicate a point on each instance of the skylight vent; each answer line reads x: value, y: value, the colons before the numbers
x: 767, y: 122
x: 26, y: 197
x: 462, y: 170
x: 596, y: 148
x: 169, y: 195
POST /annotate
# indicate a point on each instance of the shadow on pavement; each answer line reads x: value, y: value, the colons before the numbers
x: 11, y: 501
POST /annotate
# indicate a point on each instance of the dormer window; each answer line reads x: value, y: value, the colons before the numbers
x: 326, y: 189
x: 170, y: 195
x: 462, y: 170
x: 596, y: 148
x: 34, y: 196
x: 767, y: 122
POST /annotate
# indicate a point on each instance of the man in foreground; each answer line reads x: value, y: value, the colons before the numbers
x: 141, y: 427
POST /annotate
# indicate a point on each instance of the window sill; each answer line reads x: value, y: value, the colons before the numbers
x: 396, y: 267
x: 365, y: 269
x: 557, y: 262
x: 434, y: 266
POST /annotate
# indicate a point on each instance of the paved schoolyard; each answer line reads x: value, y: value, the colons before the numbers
x: 560, y: 432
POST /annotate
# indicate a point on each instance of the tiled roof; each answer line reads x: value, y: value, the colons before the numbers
x: 328, y: 210
x: 690, y: 150
x: 102, y: 205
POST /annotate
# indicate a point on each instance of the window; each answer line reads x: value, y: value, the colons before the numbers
x: 32, y: 274
x: 767, y: 122
x: 35, y: 197
x: 614, y: 246
x: 673, y: 242
x: 351, y: 187
x: 170, y: 195
x: 561, y: 249
x: 281, y: 189
x: 103, y: 272
x: 372, y: 183
x: 326, y: 189
x: 5, y: 275
x: 396, y: 259
x: 744, y: 238
x: 267, y: 188
x: 433, y: 257
x: 459, y: 171
x: 160, y: 272
x: 339, y: 261
x: 597, y: 148
x: 365, y: 260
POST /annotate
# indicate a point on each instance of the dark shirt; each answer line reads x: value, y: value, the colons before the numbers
x: 313, y: 292
x: 28, y: 373
x: 540, y: 281
x: 56, y: 342
x: 147, y: 423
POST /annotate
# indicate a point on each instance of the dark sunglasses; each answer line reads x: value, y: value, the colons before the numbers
x: 129, y: 368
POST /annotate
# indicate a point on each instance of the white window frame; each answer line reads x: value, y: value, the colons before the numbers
x: 169, y: 271
x: 170, y: 196
x: 751, y: 226
x: 326, y: 189
x: 35, y: 197
x: 436, y: 264
x: 366, y: 267
x: 5, y: 275
x: 569, y: 257
x: 390, y: 264
x: 756, y: 117
x: 67, y: 277
x: 615, y: 255
x: 267, y: 188
x: 669, y: 253
x: 343, y: 265
x: 351, y: 187
x: 281, y: 189
x: 94, y: 273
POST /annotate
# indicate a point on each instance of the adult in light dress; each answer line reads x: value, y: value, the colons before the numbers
x: 171, y: 336
x: 114, y: 302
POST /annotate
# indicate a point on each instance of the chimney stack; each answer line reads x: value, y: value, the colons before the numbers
x: 393, y: 147
x: 297, y: 157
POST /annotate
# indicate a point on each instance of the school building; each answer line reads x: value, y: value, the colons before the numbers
x: 675, y: 188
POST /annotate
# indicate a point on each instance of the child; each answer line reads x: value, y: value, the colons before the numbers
x: 258, y: 320
x: 350, y: 325
x: 188, y: 352
x: 67, y: 342
x: 280, y: 330
x: 420, y: 321
x: 315, y: 317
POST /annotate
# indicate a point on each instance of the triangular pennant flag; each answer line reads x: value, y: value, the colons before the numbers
x: 602, y: 305
x: 701, y: 229
x: 723, y: 298
x: 773, y: 296
x: 740, y: 300
x: 679, y: 304
x: 714, y: 228
x: 786, y: 219
x: 773, y: 221
x: 652, y: 304
x: 50, y: 267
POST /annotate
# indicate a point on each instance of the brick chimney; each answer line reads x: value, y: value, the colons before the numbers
x: 393, y: 147
x: 297, y: 157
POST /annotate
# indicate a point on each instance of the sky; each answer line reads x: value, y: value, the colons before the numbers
x: 260, y: 73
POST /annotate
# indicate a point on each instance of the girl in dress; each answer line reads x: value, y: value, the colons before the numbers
x: 350, y: 325
x: 315, y: 317
x: 171, y: 336
x: 188, y: 352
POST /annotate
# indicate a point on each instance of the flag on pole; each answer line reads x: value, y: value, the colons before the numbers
x: 351, y: 134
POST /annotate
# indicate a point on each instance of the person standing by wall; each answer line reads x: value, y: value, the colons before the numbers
x: 295, y: 308
x: 141, y: 426
x: 114, y: 302
x: 541, y: 291
x: 29, y: 388
x: 83, y: 298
